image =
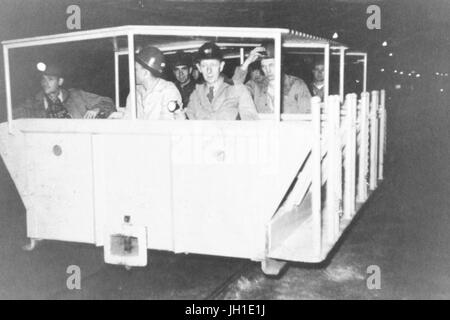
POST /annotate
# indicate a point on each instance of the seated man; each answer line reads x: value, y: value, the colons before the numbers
x: 182, y: 70
x: 218, y: 98
x: 156, y: 98
x: 317, y: 85
x: 56, y: 102
x: 296, y: 97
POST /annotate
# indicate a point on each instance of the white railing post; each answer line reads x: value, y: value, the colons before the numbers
x: 373, y: 140
x: 382, y: 143
x: 363, y: 147
x: 316, y: 157
x: 331, y: 219
x: 350, y: 157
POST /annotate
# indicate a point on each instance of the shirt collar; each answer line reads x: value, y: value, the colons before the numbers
x: 60, y: 97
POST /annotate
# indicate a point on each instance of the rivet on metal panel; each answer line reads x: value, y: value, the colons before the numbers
x: 57, y: 151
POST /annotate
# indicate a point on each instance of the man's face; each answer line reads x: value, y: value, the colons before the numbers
x: 182, y: 73
x: 51, y: 84
x: 268, y: 67
x: 211, y: 69
x: 256, y: 75
x: 195, y: 73
x: 318, y: 72
x: 141, y: 73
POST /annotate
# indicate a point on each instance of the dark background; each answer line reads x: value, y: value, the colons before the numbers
x: 416, y: 32
x: 403, y: 228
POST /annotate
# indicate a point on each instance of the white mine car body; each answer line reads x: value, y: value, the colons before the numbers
x: 283, y: 188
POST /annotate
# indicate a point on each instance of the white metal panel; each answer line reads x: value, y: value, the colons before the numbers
x: 233, y: 172
x: 59, y: 190
x: 133, y: 177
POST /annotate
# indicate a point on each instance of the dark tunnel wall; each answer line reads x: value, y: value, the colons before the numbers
x: 417, y: 30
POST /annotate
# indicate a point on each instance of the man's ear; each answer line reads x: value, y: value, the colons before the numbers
x: 60, y: 81
x: 190, y: 70
x: 147, y: 74
x: 222, y: 65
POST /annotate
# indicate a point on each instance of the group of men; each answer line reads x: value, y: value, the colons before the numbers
x: 216, y: 98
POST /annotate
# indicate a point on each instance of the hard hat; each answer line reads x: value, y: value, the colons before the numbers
x: 152, y: 59
x: 182, y: 59
x: 209, y: 50
x: 270, y: 50
x: 50, y: 69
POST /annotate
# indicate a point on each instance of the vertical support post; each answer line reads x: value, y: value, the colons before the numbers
x: 8, y: 88
x: 326, y: 60
x: 116, y: 73
x: 116, y: 80
x: 331, y: 219
x: 373, y: 140
x: 382, y: 149
x: 132, y: 75
x: 365, y: 73
x: 316, y: 187
x: 341, y: 73
x: 363, y: 147
x: 278, y: 77
x: 350, y: 157
x: 241, y: 56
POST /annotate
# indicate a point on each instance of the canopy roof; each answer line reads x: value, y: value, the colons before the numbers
x: 290, y: 38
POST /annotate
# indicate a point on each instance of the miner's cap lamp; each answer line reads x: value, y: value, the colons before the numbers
x: 209, y: 50
x: 49, y: 69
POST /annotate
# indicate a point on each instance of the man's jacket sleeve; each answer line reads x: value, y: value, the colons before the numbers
x: 105, y: 104
x: 239, y: 75
x: 247, y: 109
x: 304, y: 98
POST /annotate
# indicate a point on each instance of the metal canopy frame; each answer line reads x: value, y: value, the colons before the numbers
x: 282, y: 38
x: 364, y: 56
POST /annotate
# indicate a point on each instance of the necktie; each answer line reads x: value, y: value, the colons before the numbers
x: 56, y: 109
x: 210, y: 94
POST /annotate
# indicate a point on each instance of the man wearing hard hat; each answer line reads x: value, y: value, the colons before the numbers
x: 156, y: 98
x: 218, y: 98
x: 182, y: 70
x: 296, y: 96
x: 54, y: 101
